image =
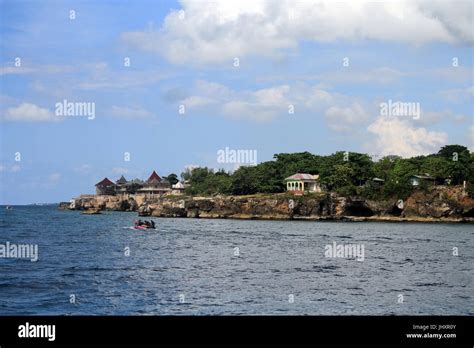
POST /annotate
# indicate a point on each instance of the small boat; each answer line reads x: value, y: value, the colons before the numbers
x: 149, y: 225
x: 8, y: 207
x: 143, y: 227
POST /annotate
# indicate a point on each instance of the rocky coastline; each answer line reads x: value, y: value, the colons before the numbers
x: 440, y: 204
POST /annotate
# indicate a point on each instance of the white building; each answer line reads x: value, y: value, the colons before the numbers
x: 302, y: 182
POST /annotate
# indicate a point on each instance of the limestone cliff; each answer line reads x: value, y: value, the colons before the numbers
x: 439, y: 204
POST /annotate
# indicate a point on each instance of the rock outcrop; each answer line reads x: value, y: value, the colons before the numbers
x: 439, y: 204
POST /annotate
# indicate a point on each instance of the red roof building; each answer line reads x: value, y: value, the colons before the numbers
x: 105, y: 187
x: 104, y: 183
x: 154, y: 178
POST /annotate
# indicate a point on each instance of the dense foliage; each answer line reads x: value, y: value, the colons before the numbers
x: 346, y: 173
x: 172, y: 178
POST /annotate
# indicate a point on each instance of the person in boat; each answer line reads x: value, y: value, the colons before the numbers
x: 152, y: 224
x: 147, y: 223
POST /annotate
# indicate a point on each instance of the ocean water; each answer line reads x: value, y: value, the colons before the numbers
x: 231, y: 267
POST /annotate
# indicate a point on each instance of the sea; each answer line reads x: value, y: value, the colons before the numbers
x: 100, y: 265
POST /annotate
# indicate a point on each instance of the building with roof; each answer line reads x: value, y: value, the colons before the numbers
x: 121, y: 181
x: 302, y: 182
x: 178, y: 188
x: 376, y: 182
x: 416, y: 180
x: 154, y: 178
x: 105, y: 187
x: 154, y: 187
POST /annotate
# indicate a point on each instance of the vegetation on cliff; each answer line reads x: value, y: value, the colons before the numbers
x: 343, y: 172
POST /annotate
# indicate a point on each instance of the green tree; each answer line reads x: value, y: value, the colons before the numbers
x: 436, y: 166
x: 244, y: 181
x: 342, y: 172
x: 172, y: 178
x: 384, y: 166
x: 450, y: 151
x: 340, y: 177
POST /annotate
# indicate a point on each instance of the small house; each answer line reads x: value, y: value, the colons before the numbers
x: 177, y: 189
x: 377, y: 182
x: 417, y: 180
x: 302, y: 182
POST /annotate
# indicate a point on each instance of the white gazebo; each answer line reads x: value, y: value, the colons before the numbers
x: 302, y: 182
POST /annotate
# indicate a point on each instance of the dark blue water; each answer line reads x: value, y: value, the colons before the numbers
x: 189, y: 266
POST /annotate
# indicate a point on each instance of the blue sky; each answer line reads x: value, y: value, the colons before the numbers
x: 184, y: 53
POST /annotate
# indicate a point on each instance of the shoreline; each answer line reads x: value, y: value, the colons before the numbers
x: 349, y: 219
x: 439, y: 206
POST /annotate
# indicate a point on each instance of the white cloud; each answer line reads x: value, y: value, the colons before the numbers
x: 196, y: 101
x: 273, y: 96
x: 345, y: 119
x: 265, y: 104
x: 317, y: 97
x: 261, y: 105
x: 342, y: 113
x: 398, y: 137
x: 245, y: 110
x: 27, y: 112
x: 217, y: 31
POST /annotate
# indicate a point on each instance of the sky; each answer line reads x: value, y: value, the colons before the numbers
x: 170, y: 84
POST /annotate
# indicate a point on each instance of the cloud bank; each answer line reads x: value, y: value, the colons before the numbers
x: 217, y: 31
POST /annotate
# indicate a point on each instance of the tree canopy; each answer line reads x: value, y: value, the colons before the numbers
x: 344, y: 172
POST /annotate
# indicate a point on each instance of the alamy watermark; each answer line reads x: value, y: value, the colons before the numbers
x: 19, y: 251
x: 67, y: 108
x: 398, y: 108
x: 346, y: 251
x: 28, y: 330
x: 237, y: 156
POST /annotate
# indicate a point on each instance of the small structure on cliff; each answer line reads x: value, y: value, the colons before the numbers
x: 121, y: 181
x: 105, y: 187
x: 123, y: 186
x: 375, y: 182
x: 178, y: 188
x: 302, y: 182
x: 416, y: 180
x: 154, y: 187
